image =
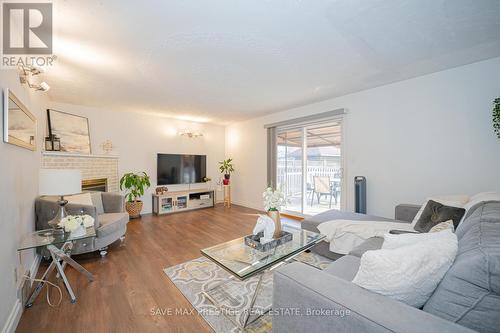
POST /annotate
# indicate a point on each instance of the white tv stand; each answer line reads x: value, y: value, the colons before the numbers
x: 180, y: 201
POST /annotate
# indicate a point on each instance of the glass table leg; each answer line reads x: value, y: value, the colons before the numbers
x: 40, y: 285
x: 60, y: 259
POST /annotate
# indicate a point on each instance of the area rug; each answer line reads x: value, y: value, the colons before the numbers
x: 195, y: 277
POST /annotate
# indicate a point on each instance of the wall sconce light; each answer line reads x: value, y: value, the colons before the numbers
x: 29, y: 71
x: 44, y: 86
x: 190, y: 134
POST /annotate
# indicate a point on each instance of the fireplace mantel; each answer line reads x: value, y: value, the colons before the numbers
x: 64, y: 154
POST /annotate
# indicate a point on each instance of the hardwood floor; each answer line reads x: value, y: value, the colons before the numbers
x: 130, y: 281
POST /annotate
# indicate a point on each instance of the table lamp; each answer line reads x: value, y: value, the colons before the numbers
x: 59, y: 182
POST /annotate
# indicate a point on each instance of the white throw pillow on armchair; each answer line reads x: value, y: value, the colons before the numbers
x: 409, y: 273
x: 80, y: 199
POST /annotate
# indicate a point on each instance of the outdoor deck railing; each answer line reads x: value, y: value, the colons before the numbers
x: 289, y: 177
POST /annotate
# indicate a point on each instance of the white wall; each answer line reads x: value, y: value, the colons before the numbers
x: 18, y: 189
x: 424, y: 136
x: 411, y: 139
x: 138, y: 138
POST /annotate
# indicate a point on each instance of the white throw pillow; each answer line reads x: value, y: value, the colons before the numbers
x: 443, y: 226
x: 80, y: 199
x: 394, y: 241
x: 454, y: 200
x: 483, y: 196
x: 409, y: 273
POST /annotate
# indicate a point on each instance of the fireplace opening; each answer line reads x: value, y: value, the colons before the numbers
x: 92, y: 185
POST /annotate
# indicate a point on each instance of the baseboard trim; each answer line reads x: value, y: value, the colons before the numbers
x: 239, y: 203
x: 13, y: 319
x: 17, y: 310
x: 293, y: 217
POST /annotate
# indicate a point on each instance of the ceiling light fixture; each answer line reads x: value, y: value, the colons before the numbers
x: 190, y: 134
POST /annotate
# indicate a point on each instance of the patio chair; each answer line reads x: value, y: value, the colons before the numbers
x: 323, y: 186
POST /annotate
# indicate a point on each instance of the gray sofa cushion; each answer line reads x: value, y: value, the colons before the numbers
x: 113, y: 202
x: 469, y: 293
x: 323, y: 249
x: 373, y: 243
x: 97, y: 201
x: 111, y: 223
x: 344, y: 268
x: 311, y: 224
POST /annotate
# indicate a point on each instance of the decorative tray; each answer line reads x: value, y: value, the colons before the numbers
x: 254, y: 241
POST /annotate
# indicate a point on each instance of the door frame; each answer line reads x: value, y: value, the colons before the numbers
x: 343, y: 193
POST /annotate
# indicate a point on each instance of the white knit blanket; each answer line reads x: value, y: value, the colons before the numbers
x: 345, y: 235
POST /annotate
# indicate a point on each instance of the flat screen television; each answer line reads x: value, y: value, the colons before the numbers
x: 181, y: 169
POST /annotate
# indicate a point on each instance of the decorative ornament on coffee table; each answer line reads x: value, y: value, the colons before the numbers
x: 134, y: 184
x: 226, y: 167
x: 496, y: 116
x: 263, y: 239
x: 266, y: 225
x: 274, y: 200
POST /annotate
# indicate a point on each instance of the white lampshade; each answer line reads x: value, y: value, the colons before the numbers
x: 60, y: 182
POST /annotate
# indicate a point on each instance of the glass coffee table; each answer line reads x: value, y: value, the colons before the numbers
x: 60, y: 256
x: 243, y: 262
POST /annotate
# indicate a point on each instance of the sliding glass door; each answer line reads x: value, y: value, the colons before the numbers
x: 309, y: 167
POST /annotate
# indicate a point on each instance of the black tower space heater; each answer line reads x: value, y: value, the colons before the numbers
x: 360, y: 194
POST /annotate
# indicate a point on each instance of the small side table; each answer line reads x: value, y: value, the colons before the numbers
x: 227, y: 195
x: 60, y: 257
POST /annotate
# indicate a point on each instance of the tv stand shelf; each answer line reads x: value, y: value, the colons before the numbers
x: 180, y: 201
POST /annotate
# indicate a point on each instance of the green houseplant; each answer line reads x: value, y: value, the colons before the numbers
x: 226, y: 167
x: 496, y: 116
x: 134, y: 185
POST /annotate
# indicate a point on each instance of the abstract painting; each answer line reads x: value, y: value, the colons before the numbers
x: 73, y: 131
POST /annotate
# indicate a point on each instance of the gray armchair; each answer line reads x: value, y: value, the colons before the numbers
x: 107, y: 210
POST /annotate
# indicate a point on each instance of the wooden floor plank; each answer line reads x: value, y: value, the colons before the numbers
x: 130, y: 280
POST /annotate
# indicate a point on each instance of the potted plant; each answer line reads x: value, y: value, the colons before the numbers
x: 274, y: 200
x: 134, y: 184
x: 226, y: 167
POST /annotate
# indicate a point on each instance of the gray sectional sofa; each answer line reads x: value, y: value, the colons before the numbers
x: 466, y: 300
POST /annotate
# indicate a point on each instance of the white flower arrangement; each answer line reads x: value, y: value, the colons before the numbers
x: 273, y: 199
x: 73, y: 222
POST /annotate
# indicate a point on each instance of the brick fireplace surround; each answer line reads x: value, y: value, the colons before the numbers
x: 92, y: 166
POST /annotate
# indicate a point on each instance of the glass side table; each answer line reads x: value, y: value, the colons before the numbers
x: 60, y: 256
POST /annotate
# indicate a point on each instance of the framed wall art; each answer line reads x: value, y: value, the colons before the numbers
x: 19, y: 124
x: 72, y: 130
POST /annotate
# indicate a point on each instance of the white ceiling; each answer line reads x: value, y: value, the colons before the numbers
x: 228, y: 60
